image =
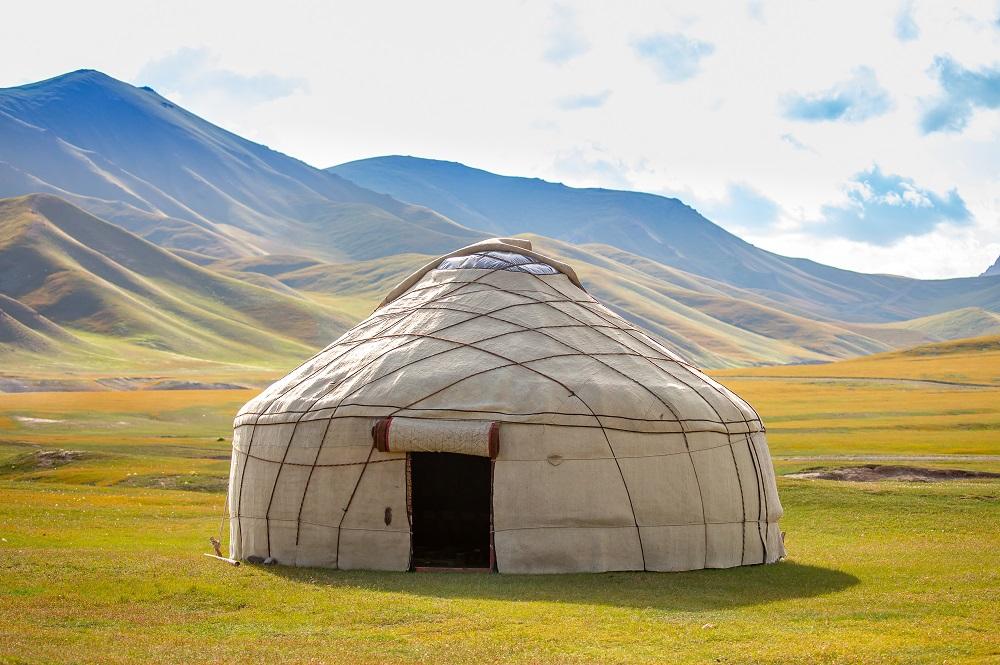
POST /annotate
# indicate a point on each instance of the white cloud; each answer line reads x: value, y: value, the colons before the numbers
x: 906, y: 25
x: 565, y: 41
x: 880, y: 208
x: 196, y: 72
x: 859, y: 98
x: 674, y: 56
x: 592, y: 166
x: 963, y: 91
x: 944, y: 252
x: 584, y: 101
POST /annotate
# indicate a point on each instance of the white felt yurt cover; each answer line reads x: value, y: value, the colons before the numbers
x: 610, y: 452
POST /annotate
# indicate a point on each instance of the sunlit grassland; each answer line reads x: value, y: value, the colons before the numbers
x: 135, y: 434
x: 891, y: 573
x: 104, y: 356
x: 964, y: 361
x: 938, y: 399
x: 98, y: 564
x: 858, y: 417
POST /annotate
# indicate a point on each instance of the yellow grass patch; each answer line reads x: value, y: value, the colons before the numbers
x: 138, y: 401
x: 962, y: 361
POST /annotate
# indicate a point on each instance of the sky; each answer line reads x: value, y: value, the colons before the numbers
x: 864, y: 135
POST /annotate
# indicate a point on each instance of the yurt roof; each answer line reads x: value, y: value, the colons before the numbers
x: 516, y: 245
x: 503, y: 345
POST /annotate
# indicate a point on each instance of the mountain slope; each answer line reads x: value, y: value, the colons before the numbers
x: 666, y: 231
x: 65, y: 271
x: 70, y: 283
x: 955, y: 324
x: 711, y: 323
x: 22, y: 328
x: 993, y: 270
x: 128, y: 154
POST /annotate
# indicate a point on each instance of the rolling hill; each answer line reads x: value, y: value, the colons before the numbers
x: 667, y: 231
x: 969, y: 362
x: 711, y: 323
x: 81, y: 291
x: 68, y: 278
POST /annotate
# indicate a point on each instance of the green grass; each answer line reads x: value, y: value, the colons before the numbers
x: 938, y: 399
x: 100, y: 563
x: 890, y: 573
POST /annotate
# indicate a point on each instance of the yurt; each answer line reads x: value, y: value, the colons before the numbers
x: 491, y: 414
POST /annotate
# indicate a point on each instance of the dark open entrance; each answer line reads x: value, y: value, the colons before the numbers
x: 451, y: 510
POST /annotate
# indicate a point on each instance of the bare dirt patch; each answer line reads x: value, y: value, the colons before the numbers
x: 188, y: 482
x: 42, y: 459
x: 160, y: 383
x: 13, y: 384
x: 870, y: 473
x: 24, y: 385
x: 35, y: 421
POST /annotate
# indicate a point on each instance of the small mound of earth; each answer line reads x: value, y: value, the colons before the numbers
x: 159, y: 383
x: 194, y: 385
x: 870, y: 473
x: 189, y: 482
x: 42, y: 459
x: 15, y: 384
x: 46, y: 459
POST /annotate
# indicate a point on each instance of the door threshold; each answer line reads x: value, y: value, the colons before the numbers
x: 442, y: 569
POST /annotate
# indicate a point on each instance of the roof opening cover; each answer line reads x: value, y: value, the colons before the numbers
x: 497, y: 260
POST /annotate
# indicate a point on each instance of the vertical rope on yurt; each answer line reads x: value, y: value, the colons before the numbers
x: 357, y: 484
x: 274, y: 485
x: 757, y: 475
x: 763, y: 491
x: 239, y: 498
x: 743, y: 506
x: 305, y: 490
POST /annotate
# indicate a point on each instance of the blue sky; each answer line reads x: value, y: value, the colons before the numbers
x: 864, y: 135
x: 854, y: 100
x: 963, y: 92
x: 675, y: 56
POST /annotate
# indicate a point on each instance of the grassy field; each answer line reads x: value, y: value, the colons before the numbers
x: 100, y: 554
x: 938, y: 399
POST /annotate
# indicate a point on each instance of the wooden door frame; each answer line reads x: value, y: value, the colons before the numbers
x: 409, y: 519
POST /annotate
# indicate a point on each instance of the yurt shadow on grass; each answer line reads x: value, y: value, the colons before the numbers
x: 693, y: 591
x: 492, y: 415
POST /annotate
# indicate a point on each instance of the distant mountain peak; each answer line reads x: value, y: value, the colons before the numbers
x: 91, y: 74
x: 993, y: 270
x: 90, y: 77
x: 135, y: 158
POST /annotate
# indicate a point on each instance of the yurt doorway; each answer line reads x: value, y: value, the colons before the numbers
x: 451, y: 507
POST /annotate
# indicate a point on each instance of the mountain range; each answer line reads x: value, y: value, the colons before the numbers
x: 133, y: 230
x: 662, y: 229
